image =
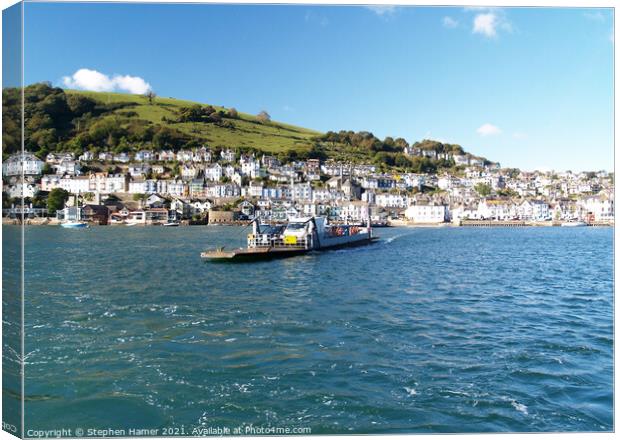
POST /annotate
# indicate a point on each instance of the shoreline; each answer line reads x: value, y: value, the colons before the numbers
x: 399, y: 223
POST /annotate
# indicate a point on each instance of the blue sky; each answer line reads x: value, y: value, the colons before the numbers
x: 531, y: 88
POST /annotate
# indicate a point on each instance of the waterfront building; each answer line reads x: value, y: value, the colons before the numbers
x: 302, y: 191
x: 165, y: 156
x: 75, y: 184
x: 177, y: 188
x: 188, y: 172
x: 87, y: 156
x: 200, y: 206
x: 136, y: 170
x: 497, y: 209
x: 122, y: 157
x: 185, y: 156
x: 229, y: 171
x: 25, y: 189
x: 356, y: 211
x: 70, y: 167
x: 56, y: 158
x: 98, y: 214
x: 269, y: 162
x: 427, y: 213
x: 17, y: 164
x: 250, y: 168
x: 599, y: 207
x: 145, y: 156
x: 137, y: 186
x: 228, y: 155
x: 50, y: 181
x: 105, y: 156
x: 536, y: 210
x: 213, y: 173
x: 197, y: 188
x: 388, y: 200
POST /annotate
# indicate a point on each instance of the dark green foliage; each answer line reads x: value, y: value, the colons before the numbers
x: 233, y: 113
x: 483, y: 189
x: 428, y: 144
x: 6, y: 200
x: 204, y: 113
x: 47, y: 169
x: 507, y: 192
x: 56, y: 200
x: 55, y: 121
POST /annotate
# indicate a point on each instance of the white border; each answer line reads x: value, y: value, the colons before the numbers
x: 498, y: 3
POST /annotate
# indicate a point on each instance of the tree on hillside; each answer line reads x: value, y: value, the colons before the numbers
x: 47, y: 169
x: 263, y: 116
x: 150, y: 95
x: 56, y: 200
x: 483, y: 189
x: 233, y: 113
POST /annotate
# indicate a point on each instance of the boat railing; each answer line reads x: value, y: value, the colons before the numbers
x: 278, y: 241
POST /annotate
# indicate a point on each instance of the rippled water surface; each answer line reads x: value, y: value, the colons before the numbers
x: 430, y: 330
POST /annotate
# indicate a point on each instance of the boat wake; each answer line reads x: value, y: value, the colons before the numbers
x: 391, y: 239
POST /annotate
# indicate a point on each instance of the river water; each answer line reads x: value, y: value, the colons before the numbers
x: 429, y: 330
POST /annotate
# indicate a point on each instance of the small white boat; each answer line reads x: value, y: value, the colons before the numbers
x: 171, y: 224
x: 573, y: 224
x: 74, y: 225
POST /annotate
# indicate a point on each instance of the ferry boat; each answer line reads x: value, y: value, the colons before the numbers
x: 298, y: 236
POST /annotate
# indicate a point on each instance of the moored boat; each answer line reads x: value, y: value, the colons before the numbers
x: 171, y: 224
x: 573, y: 223
x: 74, y: 225
x: 298, y: 236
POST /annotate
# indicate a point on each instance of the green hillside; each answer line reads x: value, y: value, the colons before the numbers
x: 69, y: 120
x: 246, y: 131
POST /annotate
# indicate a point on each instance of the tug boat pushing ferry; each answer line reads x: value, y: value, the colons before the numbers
x: 298, y: 236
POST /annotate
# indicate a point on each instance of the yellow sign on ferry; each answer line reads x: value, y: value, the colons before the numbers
x: 290, y: 239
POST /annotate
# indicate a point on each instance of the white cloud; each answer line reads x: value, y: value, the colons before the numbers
x: 488, y: 130
x: 519, y: 135
x: 486, y: 24
x: 450, y: 22
x: 86, y: 79
x: 489, y: 21
x: 133, y: 84
x: 382, y: 10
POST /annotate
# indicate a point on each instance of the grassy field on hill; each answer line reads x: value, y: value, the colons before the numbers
x: 246, y: 131
x: 59, y: 120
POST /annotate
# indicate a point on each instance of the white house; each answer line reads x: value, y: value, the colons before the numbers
x: 213, y: 173
x: 497, y: 209
x: 75, y: 184
x: 353, y: 211
x: 50, y: 181
x: 388, y: 200
x: 302, y: 191
x: 26, y: 163
x: 534, y: 210
x: 431, y: 213
x: 228, y: 155
x: 599, y: 207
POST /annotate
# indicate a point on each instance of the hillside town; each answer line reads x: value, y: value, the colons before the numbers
x: 228, y: 186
